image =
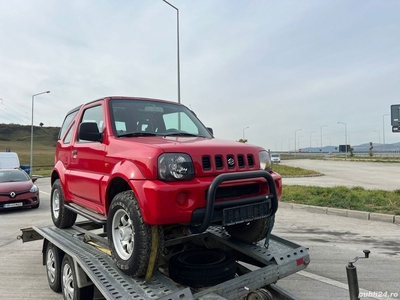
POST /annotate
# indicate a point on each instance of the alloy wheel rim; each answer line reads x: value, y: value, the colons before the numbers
x: 123, y: 234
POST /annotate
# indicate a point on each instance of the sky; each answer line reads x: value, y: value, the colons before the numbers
x: 280, y: 74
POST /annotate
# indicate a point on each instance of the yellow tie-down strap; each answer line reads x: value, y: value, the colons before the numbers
x: 89, y: 241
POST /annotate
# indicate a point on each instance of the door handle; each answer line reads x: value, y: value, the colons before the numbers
x: 74, y: 152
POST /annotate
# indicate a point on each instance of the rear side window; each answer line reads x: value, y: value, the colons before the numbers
x: 67, y: 121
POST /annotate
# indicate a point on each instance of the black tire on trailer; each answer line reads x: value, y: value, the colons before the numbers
x: 69, y: 284
x: 53, y: 266
x: 250, y: 232
x: 130, y: 238
x: 62, y: 217
x: 202, y: 268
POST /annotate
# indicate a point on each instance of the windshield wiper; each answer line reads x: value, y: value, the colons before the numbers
x: 180, y: 134
x: 132, y: 134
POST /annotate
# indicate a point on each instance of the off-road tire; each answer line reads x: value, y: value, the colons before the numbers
x: 53, y: 257
x: 202, y: 268
x: 250, y: 232
x: 132, y: 254
x: 65, y: 217
x: 69, y: 284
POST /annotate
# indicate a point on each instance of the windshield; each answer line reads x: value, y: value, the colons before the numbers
x: 133, y: 118
x: 13, y: 176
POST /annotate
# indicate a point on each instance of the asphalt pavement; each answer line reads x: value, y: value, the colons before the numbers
x: 332, y: 240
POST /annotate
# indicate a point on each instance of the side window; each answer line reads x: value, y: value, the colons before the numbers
x: 67, y: 121
x: 67, y: 138
x: 172, y: 123
x: 94, y: 114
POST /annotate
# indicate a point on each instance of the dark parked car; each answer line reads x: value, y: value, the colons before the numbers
x: 17, y: 189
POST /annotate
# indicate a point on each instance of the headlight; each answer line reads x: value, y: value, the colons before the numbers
x: 265, y: 161
x: 34, y: 189
x: 175, y: 166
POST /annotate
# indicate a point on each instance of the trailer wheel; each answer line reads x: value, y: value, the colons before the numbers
x: 53, y: 267
x: 201, y: 268
x: 129, y: 236
x: 250, y: 232
x: 62, y: 217
x: 70, y: 288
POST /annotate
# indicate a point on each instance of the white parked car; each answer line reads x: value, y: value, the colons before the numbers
x: 275, y: 158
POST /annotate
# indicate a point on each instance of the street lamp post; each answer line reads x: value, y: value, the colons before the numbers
x: 345, y: 136
x: 177, y: 39
x: 298, y: 141
x: 321, y: 134
x: 295, y: 139
x: 383, y: 130
x: 31, y: 155
x: 243, y: 131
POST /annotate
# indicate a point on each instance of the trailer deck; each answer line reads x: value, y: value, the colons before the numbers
x: 257, y: 266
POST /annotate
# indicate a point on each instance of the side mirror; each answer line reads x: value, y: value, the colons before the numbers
x: 89, y: 131
x: 210, y: 130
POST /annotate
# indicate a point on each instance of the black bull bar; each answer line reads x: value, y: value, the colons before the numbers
x: 269, y: 199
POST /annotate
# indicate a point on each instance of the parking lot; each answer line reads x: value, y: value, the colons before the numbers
x: 332, y: 242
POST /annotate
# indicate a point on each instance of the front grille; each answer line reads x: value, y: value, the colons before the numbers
x: 206, y: 162
x: 250, y: 160
x: 219, y: 162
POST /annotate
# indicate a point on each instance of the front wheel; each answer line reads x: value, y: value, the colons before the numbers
x: 62, y: 217
x: 69, y: 284
x: 129, y: 236
x: 250, y: 232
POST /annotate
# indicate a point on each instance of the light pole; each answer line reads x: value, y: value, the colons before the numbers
x: 310, y: 138
x: 298, y: 142
x: 31, y: 158
x: 321, y: 134
x: 379, y: 137
x: 177, y: 40
x: 383, y: 130
x: 345, y: 136
x: 243, y: 131
x: 295, y: 139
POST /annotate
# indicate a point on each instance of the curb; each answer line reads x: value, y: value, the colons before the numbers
x: 355, y: 214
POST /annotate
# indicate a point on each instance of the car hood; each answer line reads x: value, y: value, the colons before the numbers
x: 198, y: 148
x: 6, y: 187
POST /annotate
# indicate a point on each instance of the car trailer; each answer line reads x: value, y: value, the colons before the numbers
x: 78, y: 259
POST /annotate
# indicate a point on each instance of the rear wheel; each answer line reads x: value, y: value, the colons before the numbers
x: 70, y: 288
x: 250, y: 232
x: 62, y: 217
x: 53, y: 267
x: 129, y: 236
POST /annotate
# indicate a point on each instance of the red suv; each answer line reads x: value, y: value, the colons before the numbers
x: 146, y: 168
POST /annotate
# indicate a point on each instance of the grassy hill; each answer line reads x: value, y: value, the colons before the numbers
x: 17, y: 138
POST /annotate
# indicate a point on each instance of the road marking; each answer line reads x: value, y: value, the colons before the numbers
x: 44, y: 193
x: 337, y: 284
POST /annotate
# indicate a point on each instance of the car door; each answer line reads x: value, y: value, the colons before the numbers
x: 86, y: 168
